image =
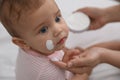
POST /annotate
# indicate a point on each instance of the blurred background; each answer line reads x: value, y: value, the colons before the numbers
x: 8, y: 51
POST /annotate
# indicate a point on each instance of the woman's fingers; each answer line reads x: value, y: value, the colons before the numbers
x: 70, y: 53
x: 80, y: 70
x: 79, y: 61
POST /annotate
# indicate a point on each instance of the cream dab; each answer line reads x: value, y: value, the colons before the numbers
x: 49, y: 44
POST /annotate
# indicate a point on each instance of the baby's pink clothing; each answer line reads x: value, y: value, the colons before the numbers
x: 33, y: 66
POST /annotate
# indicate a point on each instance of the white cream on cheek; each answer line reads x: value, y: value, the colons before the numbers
x: 49, y: 44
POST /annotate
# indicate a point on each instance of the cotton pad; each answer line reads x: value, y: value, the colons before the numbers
x: 49, y: 44
x: 78, y: 22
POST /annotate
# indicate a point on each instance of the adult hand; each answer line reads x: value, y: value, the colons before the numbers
x: 97, y: 16
x: 69, y: 55
x: 89, y: 58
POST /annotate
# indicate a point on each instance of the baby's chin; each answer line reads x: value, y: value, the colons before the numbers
x: 60, y: 48
x: 49, y: 52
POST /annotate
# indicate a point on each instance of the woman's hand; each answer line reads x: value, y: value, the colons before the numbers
x: 101, y: 16
x: 89, y: 58
x: 69, y: 56
x: 97, y: 16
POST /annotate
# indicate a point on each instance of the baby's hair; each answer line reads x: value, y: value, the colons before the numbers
x: 118, y: 0
x: 12, y: 10
x: 1, y: 1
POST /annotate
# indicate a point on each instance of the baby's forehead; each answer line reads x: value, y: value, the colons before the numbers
x: 23, y: 14
x: 19, y: 15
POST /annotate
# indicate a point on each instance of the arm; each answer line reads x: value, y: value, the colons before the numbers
x: 111, y: 57
x: 112, y: 14
x: 98, y: 55
x: 100, y: 17
x: 106, y: 52
x: 114, y: 45
x: 118, y: 0
x: 94, y: 56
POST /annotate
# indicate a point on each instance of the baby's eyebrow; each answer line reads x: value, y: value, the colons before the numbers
x: 44, y: 21
x: 36, y: 27
x: 57, y: 11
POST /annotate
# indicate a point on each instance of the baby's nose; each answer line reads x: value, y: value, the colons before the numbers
x: 57, y: 31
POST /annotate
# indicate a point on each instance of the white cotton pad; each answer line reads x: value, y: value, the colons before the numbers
x: 78, y: 22
x: 49, y: 44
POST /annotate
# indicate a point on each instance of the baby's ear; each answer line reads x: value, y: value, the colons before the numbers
x: 20, y: 42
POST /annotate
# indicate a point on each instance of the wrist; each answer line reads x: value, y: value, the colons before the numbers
x: 100, y: 52
x: 104, y: 55
x: 112, y: 14
x: 106, y: 16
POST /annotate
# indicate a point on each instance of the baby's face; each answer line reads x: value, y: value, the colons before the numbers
x: 45, y: 24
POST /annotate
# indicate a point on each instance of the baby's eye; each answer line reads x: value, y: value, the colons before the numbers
x: 44, y: 29
x: 57, y: 19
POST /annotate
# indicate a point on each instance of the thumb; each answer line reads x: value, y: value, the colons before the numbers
x: 86, y: 10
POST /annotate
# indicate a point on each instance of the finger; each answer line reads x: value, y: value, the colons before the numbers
x: 82, y: 9
x: 80, y: 49
x: 75, y: 52
x: 66, y: 56
x: 79, y: 61
x: 95, y: 25
x: 80, y: 77
x: 87, y: 10
x: 80, y: 70
x: 59, y: 64
x: 69, y: 54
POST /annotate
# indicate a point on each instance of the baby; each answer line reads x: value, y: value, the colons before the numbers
x: 38, y: 28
